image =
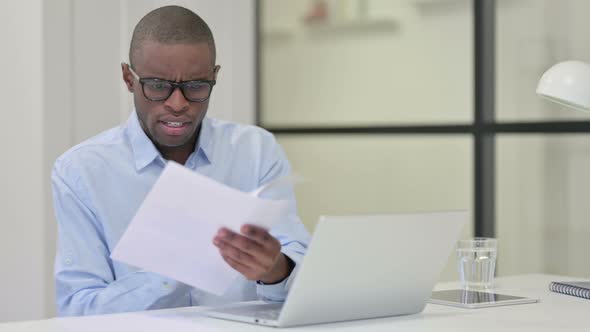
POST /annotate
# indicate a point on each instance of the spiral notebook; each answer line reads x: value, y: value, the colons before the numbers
x: 579, y: 289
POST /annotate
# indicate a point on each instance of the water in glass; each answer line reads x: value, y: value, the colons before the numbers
x: 476, y: 267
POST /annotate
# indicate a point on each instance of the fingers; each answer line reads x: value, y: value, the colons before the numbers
x: 253, y: 259
x: 255, y: 241
x: 247, y: 271
x: 241, y: 242
x: 262, y: 237
x: 255, y: 254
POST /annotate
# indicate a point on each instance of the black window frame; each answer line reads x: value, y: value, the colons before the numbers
x: 483, y: 129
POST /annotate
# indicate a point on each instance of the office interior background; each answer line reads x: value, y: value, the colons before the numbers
x: 376, y: 105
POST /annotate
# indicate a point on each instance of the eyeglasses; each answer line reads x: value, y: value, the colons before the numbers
x: 157, y: 89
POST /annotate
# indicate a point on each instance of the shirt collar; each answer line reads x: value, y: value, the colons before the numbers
x: 205, y: 141
x: 144, y: 151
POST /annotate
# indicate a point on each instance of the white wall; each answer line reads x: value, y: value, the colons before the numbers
x: 58, y: 128
x: 64, y: 68
x: 21, y: 180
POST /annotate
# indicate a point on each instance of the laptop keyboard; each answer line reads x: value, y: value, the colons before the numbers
x: 269, y: 311
x: 270, y: 314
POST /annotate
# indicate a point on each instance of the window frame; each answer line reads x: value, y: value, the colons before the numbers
x: 484, y: 128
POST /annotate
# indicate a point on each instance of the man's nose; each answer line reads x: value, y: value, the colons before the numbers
x: 176, y: 102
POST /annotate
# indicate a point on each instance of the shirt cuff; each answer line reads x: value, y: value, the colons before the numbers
x: 277, y: 292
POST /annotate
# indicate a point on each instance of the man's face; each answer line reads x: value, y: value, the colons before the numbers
x: 171, y: 123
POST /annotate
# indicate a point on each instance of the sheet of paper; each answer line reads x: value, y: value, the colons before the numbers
x: 172, y: 232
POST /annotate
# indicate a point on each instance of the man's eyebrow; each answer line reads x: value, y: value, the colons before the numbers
x: 199, y: 77
x: 157, y: 77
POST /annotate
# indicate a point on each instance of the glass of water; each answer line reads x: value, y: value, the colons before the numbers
x: 476, y: 260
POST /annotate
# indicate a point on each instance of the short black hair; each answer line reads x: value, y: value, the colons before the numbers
x: 171, y: 25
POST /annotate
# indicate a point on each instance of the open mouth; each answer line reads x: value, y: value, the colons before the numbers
x: 173, y: 124
x: 175, y: 128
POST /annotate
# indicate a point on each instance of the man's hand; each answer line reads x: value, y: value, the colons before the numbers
x: 255, y: 253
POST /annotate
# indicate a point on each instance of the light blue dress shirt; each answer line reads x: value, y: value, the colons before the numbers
x: 99, y: 184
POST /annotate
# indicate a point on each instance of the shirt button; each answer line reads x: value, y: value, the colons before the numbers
x: 68, y: 261
x: 165, y: 284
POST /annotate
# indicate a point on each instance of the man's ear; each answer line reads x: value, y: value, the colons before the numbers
x: 216, y: 71
x: 128, y: 78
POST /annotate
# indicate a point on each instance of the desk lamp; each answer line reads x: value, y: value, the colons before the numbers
x: 567, y: 83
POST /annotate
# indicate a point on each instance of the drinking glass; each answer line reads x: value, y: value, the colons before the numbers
x: 476, y: 260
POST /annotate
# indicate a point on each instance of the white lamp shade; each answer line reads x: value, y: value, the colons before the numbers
x: 567, y: 83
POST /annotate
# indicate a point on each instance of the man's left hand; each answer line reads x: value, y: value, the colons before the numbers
x: 254, y: 253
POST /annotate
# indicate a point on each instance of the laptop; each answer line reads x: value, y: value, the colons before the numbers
x: 359, y: 267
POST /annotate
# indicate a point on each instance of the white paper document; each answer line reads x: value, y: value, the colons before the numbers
x: 172, y: 232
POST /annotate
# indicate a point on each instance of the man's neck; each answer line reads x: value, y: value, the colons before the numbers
x: 178, y: 155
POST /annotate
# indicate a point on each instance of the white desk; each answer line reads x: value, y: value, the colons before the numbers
x: 555, y: 312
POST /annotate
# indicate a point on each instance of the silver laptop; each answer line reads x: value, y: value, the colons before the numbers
x: 359, y: 267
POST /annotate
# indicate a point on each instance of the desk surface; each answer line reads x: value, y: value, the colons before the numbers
x: 555, y: 312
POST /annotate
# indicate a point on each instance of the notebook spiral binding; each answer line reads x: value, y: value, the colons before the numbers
x: 569, y: 290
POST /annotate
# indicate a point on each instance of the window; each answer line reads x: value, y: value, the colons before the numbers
x: 392, y: 106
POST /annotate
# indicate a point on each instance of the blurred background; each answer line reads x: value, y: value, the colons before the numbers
x: 381, y: 105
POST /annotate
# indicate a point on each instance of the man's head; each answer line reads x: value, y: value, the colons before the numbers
x: 171, y: 44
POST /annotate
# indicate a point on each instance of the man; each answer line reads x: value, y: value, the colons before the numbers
x: 99, y: 184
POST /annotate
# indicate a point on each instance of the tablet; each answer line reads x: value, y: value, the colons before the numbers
x: 474, y: 299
